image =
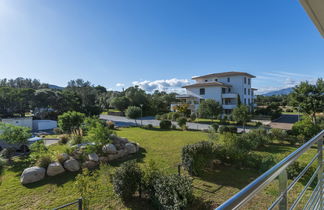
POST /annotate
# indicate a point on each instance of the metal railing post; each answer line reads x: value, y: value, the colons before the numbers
x: 283, y: 183
x: 320, y: 171
x: 80, y: 203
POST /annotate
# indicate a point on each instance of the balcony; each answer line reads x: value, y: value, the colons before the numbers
x: 229, y: 95
x: 308, y: 198
x: 229, y: 106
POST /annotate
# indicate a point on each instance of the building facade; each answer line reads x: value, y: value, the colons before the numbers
x: 227, y: 88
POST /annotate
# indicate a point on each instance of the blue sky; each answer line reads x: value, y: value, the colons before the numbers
x: 158, y: 44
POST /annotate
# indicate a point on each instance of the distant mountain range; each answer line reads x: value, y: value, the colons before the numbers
x: 55, y: 87
x: 284, y: 91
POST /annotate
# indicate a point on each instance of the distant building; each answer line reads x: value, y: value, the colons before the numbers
x: 35, y: 125
x: 226, y: 88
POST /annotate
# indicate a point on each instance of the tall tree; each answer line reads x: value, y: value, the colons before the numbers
x: 210, y: 109
x: 309, y: 98
x: 241, y: 114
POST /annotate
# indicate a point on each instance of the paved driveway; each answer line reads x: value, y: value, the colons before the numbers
x: 124, y: 122
x: 285, y: 121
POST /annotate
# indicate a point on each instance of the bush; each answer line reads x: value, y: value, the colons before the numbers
x: 195, y: 156
x: 306, y: 128
x: 215, y: 126
x: 7, y: 152
x: 278, y: 134
x: 70, y: 121
x: 158, y: 117
x: 172, y: 192
x: 193, y: 117
x: 230, y: 129
x: 258, y: 124
x: 133, y: 112
x: 44, y: 161
x: 99, y: 134
x: 289, y: 110
x: 256, y: 138
x: 149, y: 126
x: 182, y: 121
x: 165, y: 124
x: 76, y: 139
x: 57, y: 131
x: 126, y: 180
x: 111, y: 125
x: 174, y: 127
x: 63, y: 139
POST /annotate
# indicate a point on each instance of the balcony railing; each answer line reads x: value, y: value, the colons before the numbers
x: 229, y: 95
x: 315, y: 200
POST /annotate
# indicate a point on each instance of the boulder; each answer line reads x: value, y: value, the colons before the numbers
x: 90, y: 164
x: 103, y: 159
x: 131, y: 148
x: 93, y: 157
x: 32, y: 174
x: 72, y: 165
x: 112, y: 157
x: 64, y: 157
x: 120, y: 140
x: 54, y: 169
x: 109, y: 149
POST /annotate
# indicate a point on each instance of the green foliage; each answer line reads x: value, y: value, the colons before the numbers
x: 86, y: 186
x: 165, y: 124
x: 63, y: 139
x: 126, y: 179
x: 225, y: 129
x: 133, y: 112
x: 121, y: 103
x: 38, y: 149
x: 256, y: 138
x: 278, y: 134
x: 172, y: 192
x: 210, y: 109
x: 273, y: 110
x: 309, y: 98
x: 183, y: 109
x: 99, y: 134
x: 7, y: 152
x: 193, y: 117
x: 215, y: 126
x: 76, y: 139
x: 150, y: 173
x: 306, y: 128
x: 241, y: 114
x: 195, y: 156
x: 14, y: 134
x: 182, y: 121
x: 111, y: 125
x: 44, y: 160
x: 70, y: 121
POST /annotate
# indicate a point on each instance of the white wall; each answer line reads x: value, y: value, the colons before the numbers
x: 25, y: 122
x: 44, y: 124
x: 210, y: 93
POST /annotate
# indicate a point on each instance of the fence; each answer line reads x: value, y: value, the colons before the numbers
x: 78, y: 202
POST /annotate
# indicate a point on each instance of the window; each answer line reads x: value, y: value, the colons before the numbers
x: 245, y: 101
x: 244, y: 91
x: 206, y: 80
x: 216, y: 80
x: 228, y: 79
x: 223, y: 90
x: 249, y: 101
x: 244, y: 80
x: 249, y: 91
x: 252, y: 92
x: 202, y: 91
x: 229, y: 90
x: 249, y: 81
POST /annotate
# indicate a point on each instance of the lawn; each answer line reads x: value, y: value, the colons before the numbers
x: 164, y: 147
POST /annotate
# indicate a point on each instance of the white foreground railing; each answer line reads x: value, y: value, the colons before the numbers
x: 315, y: 201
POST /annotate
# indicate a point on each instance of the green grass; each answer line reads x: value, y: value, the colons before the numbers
x: 164, y: 147
x: 210, y: 121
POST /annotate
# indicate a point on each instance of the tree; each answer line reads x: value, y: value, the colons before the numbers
x: 183, y: 109
x: 209, y: 109
x: 14, y: 134
x: 133, y: 112
x: 241, y: 114
x: 121, y: 103
x: 70, y: 121
x: 309, y: 98
x: 305, y: 128
x: 182, y: 121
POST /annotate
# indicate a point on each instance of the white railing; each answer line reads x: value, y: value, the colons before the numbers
x: 315, y: 201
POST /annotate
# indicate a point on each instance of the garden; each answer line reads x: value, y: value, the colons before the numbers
x: 214, y: 166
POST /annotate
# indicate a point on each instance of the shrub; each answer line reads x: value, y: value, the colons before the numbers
x: 38, y: 149
x: 193, y: 117
x: 306, y: 128
x: 126, y: 179
x: 256, y: 138
x: 150, y: 173
x: 165, y: 124
x: 230, y: 129
x: 44, y: 161
x: 158, y: 117
x: 175, y: 116
x: 174, y: 127
x: 70, y: 121
x: 172, y: 192
x: 258, y: 124
x: 258, y: 162
x: 133, y: 112
x: 289, y: 110
x: 278, y: 134
x: 57, y: 131
x: 60, y: 158
x: 111, y: 125
x: 182, y: 121
x: 99, y: 134
x: 215, y: 126
x: 7, y: 152
x: 63, y: 139
x: 76, y: 139
x: 195, y: 156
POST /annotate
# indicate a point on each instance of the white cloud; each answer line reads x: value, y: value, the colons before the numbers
x: 120, y: 84
x: 170, y: 85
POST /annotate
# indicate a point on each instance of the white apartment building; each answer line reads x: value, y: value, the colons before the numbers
x: 225, y: 87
